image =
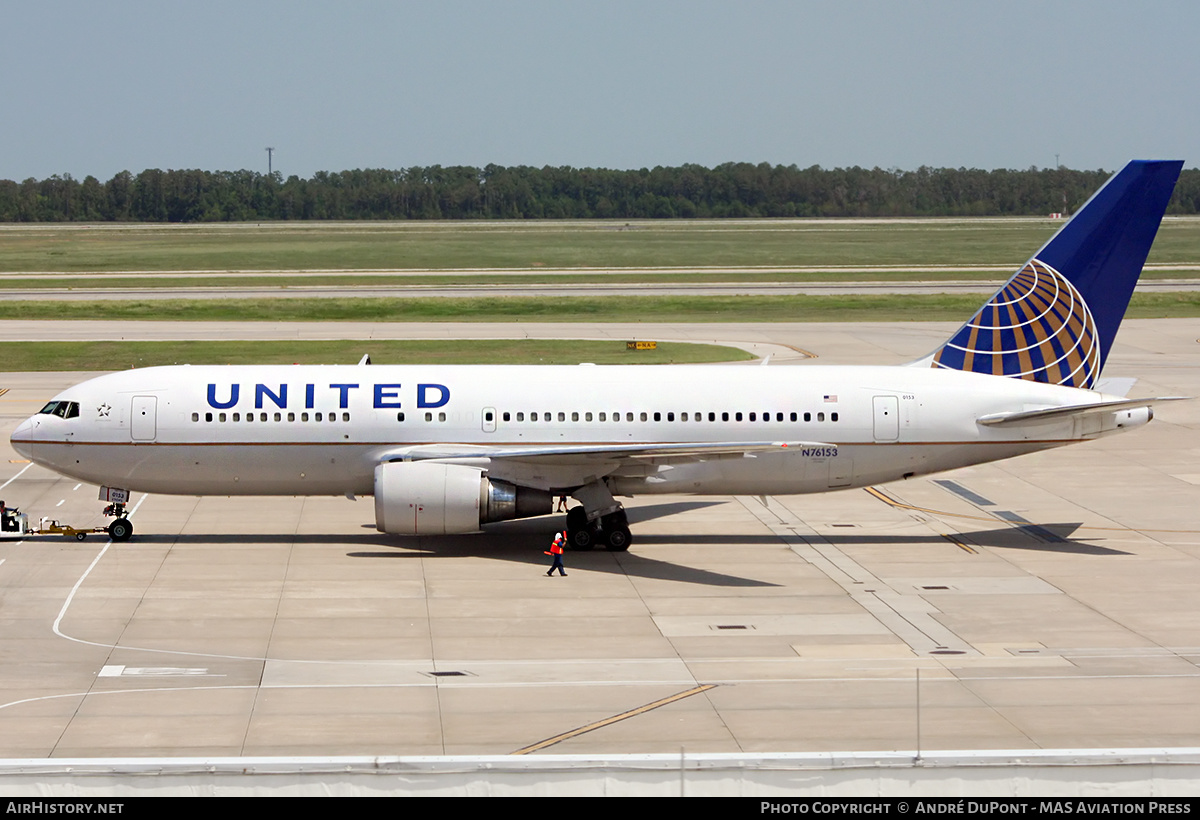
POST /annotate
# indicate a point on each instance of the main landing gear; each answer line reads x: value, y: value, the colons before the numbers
x: 601, y: 521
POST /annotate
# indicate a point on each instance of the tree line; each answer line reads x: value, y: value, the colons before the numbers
x: 523, y: 192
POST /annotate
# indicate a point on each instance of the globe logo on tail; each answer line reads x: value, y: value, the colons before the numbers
x: 1038, y: 328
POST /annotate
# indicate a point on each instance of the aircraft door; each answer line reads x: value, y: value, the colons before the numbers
x: 143, y: 418
x: 887, y: 418
x: 489, y: 419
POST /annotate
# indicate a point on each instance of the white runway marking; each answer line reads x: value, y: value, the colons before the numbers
x: 116, y: 671
x: 14, y: 478
x: 71, y: 595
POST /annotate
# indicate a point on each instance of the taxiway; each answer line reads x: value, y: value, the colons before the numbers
x: 1048, y: 601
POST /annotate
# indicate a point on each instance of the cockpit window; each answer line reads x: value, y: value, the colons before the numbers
x: 62, y: 409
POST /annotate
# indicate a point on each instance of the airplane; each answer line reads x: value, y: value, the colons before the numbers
x: 448, y: 449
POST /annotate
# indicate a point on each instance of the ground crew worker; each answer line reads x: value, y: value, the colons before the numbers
x: 556, y: 551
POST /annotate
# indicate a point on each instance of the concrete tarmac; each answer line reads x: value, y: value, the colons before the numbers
x: 1044, y: 602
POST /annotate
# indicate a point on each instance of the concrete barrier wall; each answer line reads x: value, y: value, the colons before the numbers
x: 1119, y: 773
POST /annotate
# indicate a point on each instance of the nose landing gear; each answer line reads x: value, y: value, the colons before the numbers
x: 122, y: 528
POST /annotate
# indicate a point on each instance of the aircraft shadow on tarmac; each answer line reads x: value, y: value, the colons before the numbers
x: 524, y: 541
x: 1039, y: 538
x: 520, y: 541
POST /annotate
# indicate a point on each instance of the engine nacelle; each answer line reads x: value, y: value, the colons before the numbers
x: 426, y: 498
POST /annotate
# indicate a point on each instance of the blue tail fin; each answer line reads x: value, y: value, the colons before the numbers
x: 1056, y: 319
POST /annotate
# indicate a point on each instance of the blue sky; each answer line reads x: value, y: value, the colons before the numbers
x: 97, y: 88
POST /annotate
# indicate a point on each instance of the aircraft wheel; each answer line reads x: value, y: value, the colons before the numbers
x: 582, y: 539
x: 618, y: 539
x: 120, y: 530
x: 576, y: 519
x: 617, y: 520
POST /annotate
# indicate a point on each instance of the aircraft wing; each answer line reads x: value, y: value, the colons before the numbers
x: 1052, y: 414
x: 567, y: 465
x: 583, y: 453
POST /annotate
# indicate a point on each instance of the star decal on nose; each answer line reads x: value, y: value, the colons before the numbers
x: 103, y: 409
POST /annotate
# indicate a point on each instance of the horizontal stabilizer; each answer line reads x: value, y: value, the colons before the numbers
x: 1115, y: 385
x: 1052, y: 414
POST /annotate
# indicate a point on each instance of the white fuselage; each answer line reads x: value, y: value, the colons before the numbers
x: 319, y: 430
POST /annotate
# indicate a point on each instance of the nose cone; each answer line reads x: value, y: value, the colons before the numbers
x: 22, y: 438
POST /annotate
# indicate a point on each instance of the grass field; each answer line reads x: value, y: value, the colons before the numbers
x: 842, y: 308
x: 93, y: 356
x: 529, y: 245
x: 523, y: 247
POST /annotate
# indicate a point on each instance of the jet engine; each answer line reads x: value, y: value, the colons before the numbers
x: 429, y: 498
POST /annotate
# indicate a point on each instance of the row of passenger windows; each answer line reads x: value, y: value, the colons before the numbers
x: 725, y: 416
x: 219, y: 417
x: 520, y: 416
